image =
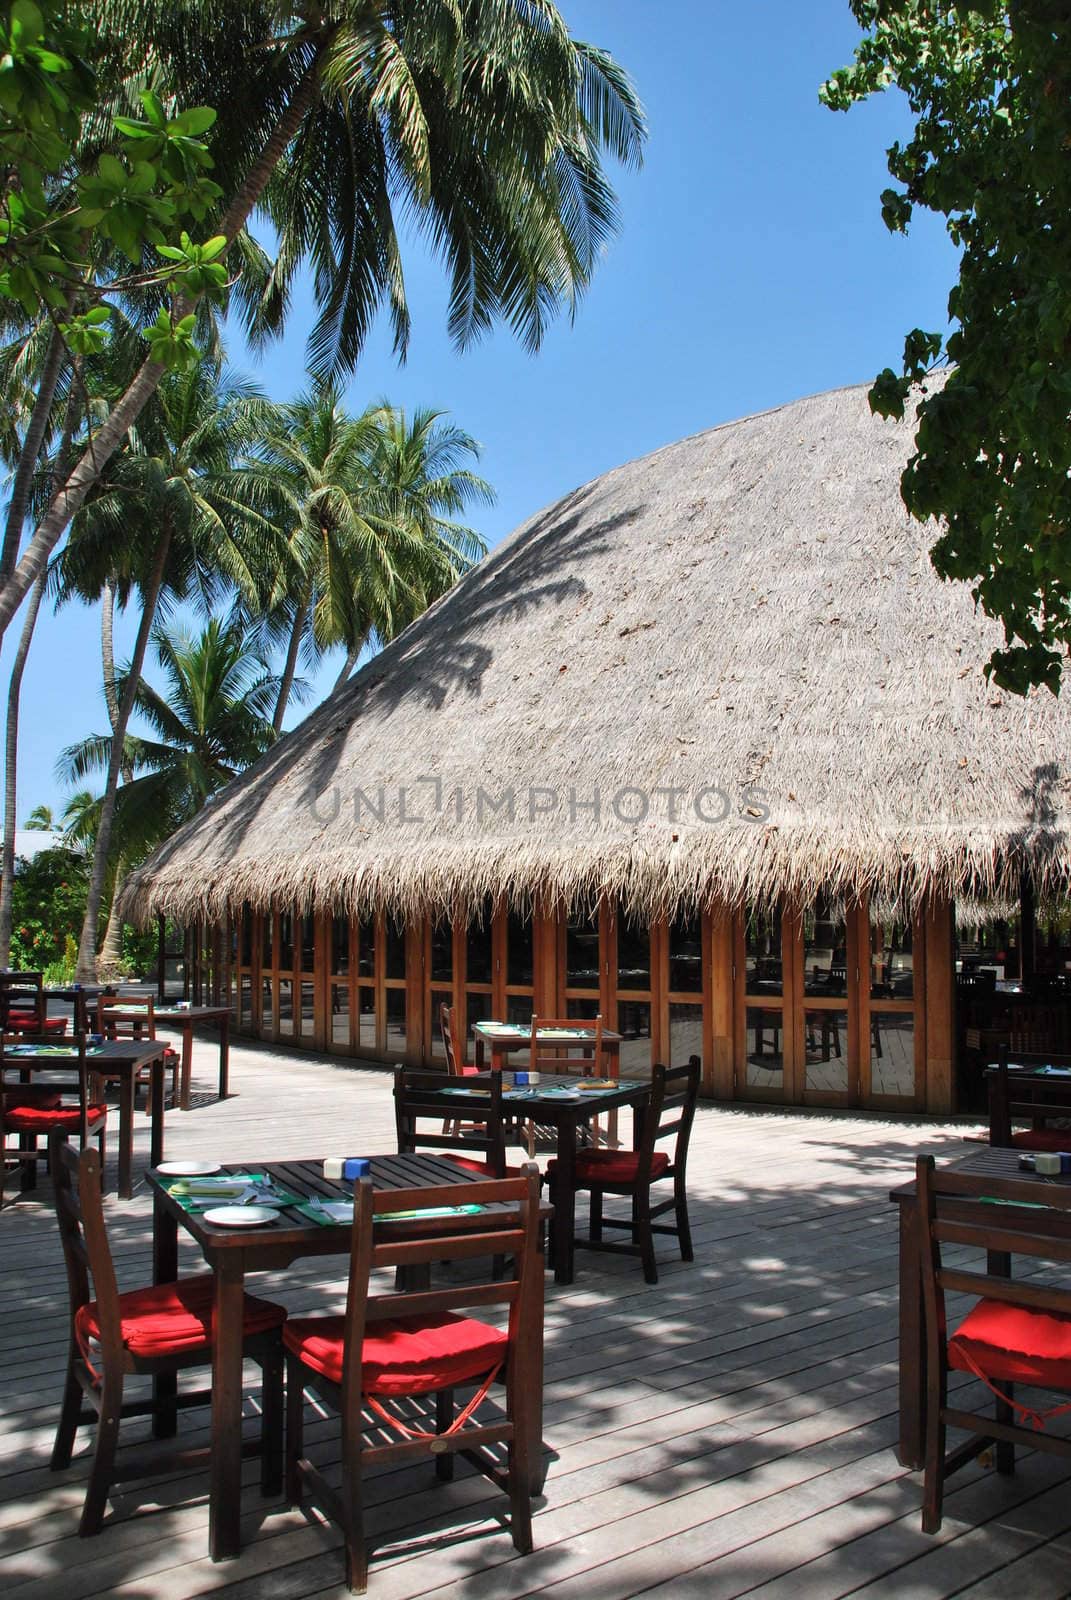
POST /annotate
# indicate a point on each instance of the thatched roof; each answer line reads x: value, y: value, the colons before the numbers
x: 749, y: 609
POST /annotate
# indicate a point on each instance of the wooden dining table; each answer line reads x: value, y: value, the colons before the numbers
x: 565, y: 1104
x: 500, y: 1039
x: 234, y: 1253
x: 121, y: 1059
x: 184, y: 1019
x: 987, y: 1162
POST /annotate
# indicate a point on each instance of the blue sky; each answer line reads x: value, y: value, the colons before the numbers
x: 752, y: 267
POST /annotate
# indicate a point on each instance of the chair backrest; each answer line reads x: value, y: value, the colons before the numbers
x: 956, y: 1209
x: 1033, y: 1099
x: 547, y: 1055
x: 86, y: 1252
x: 73, y: 1064
x: 418, y: 1102
x: 22, y: 995
x: 517, y: 1239
x: 669, y: 1113
x: 126, y: 1019
x: 455, y: 1053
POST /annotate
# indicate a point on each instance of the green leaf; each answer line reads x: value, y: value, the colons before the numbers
x: 195, y: 121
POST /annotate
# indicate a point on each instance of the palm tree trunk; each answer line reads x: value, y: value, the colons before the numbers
x: 290, y: 668
x: 11, y: 746
x: 109, y: 436
x: 348, y: 665
x: 107, y: 649
x: 111, y: 950
x: 87, y: 946
x: 11, y: 756
x: 31, y: 449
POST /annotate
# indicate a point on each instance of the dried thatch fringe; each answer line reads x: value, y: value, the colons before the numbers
x: 750, y: 609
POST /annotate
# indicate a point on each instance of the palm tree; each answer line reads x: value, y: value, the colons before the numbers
x: 211, y: 721
x: 484, y: 121
x: 168, y: 520
x: 416, y: 482
x: 369, y: 547
x: 40, y: 820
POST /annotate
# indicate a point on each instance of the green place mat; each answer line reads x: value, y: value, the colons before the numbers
x: 197, y: 1203
x: 31, y: 1052
x: 314, y: 1214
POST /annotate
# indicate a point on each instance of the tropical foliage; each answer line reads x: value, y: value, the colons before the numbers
x: 989, y: 86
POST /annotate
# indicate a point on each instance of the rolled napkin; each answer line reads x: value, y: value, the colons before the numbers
x: 209, y: 1188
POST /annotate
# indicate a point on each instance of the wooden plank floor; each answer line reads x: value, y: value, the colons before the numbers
x: 725, y: 1433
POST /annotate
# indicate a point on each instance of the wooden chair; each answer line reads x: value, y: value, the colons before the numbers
x: 454, y: 1046
x: 1036, y: 1100
x: 23, y: 1007
x: 135, y: 1019
x: 412, y: 1346
x: 631, y: 1173
x: 35, y: 1111
x: 417, y: 1102
x: 165, y: 1328
x: 547, y: 1057
x: 1016, y: 1333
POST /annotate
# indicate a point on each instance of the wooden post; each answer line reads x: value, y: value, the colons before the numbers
x: 718, y: 1078
x: 161, y: 958
x: 1027, y: 929
x: 940, y: 1009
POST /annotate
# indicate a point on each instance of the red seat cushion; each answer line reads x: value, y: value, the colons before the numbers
x: 27, y: 1022
x: 51, y: 1119
x: 173, y: 1318
x: 1042, y: 1139
x: 612, y: 1166
x: 1015, y: 1344
x: 406, y: 1356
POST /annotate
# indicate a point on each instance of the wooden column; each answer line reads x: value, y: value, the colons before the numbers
x: 1027, y: 929
x: 719, y: 1003
x: 161, y: 958
x: 415, y: 976
x: 940, y: 1008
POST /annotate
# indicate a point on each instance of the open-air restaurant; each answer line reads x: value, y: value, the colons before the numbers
x: 596, y: 1200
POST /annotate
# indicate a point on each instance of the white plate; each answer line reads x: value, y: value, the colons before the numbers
x: 188, y: 1169
x: 239, y: 1216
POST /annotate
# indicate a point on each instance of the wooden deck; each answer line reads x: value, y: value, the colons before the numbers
x: 726, y: 1433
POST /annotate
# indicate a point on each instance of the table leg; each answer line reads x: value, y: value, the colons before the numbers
x: 912, y: 1346
x: 164, y: 1270
x: 478, y: 1057
x: 186, y: 1071
x: 225, y: 1473
x: 156, y: 1112
x: 564, y: 1201
x: 127, y: 1083
x: 224, y: 1056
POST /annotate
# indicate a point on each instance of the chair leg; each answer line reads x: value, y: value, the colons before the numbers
x: 295, y: 1428
x: 444, y: 1416
x: 595, y: 1215
x: 103, y: 1468
x: 684, y: 1227
x: 353, y: 1532
x: 271, y: 1422
x: 70, y: 1414
x: 519, y: 1484
x: 644, y: 1237
x: 1005, y: 1447
x: 933, y: 1484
